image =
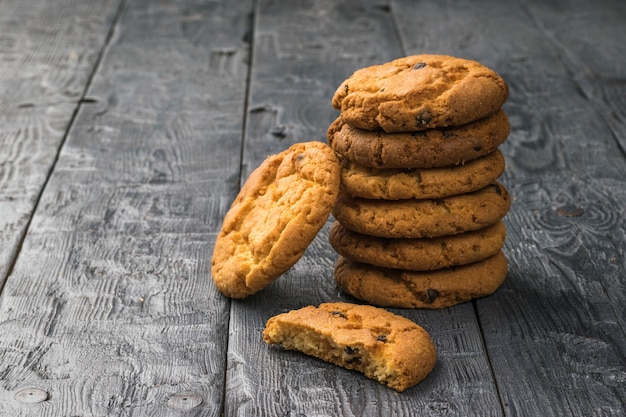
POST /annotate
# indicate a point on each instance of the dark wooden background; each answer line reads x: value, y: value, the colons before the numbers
x: 127, y: 127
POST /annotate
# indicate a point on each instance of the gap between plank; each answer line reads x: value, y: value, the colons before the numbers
x: 251, y: 29
x: 482, y: 339
x: 396, y: 27
x: 251, y: 23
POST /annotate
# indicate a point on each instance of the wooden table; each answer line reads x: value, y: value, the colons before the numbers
x: 127, y: 127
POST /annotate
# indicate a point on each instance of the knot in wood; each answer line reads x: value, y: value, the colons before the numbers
x: 31, y: 396
x: 184, y: 402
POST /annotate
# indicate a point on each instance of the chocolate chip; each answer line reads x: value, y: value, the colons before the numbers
x: 478, y: 148
x: 432, y: 295
x: 424, y: 118
x: 498, y: 190
x: 339, y: 314
x: 351, y: 351
x: 345, y: 88
x: 382, y: 338
x: 419, y: 65
x: 356, y: 359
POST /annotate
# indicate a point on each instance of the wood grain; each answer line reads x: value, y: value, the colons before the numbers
x: 301, y: 55
x: 555, y: 331
x: 110, y: 309
x: 591, y: 53
x: 559, y: 320
x: 46, y: 60
x: 129, y: 126
x: 302, y: 52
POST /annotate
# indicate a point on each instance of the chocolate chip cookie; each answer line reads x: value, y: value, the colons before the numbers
x: 440, y: 288
x: 400, y: 184
x: 278, y: 212
x: 418, y: 254
x: 420, y: 92
x: 423, y: 149
x: 423, y: 218
x: 385, y: 347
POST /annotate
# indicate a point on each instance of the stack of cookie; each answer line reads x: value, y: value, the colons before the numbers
x: 419, y: 217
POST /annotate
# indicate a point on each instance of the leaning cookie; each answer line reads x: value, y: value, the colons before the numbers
x: 385, y: 347
x: 399, y: 184
x: 420, y: 92
x: 418, y: 254
x: 424, y: 149
x: 424, y: 218
x: 278, y: 212
x: 441, y: 288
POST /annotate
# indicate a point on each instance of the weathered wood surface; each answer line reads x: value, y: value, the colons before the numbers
x: 109, y: 308
x: 46, y: 60
x: 555, y: 331
x: 567, y: 226
x: 301, y: 56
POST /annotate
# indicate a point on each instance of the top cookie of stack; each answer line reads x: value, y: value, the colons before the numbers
x: 420, y: 92
x: 418, y: 142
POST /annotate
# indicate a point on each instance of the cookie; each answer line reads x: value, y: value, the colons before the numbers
x: 397, y: 184
x: 278, y: 212
x: 385, y: 347
x: 420, y: 92
x: 423, y: 218
x: 413, y: 289
x: 418, y: 254
x: 425, y: 149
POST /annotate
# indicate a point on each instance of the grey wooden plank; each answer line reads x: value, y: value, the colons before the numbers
x: 555, y: 330
x: 48, y: 50
x: 110, y: 308
x: 590, y: 38
x: 302, y: 52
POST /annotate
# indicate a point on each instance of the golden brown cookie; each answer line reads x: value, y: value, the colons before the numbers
x: 425, y: 149
x: 398, y: 184
x: 418, y: 254
x: 420, y: 92
x: 412, y: 289
x: 278, y: 212
x: 423, y: 218
x: 385, y: 347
